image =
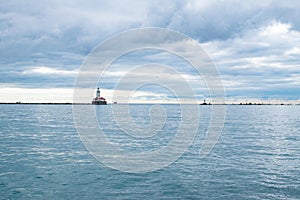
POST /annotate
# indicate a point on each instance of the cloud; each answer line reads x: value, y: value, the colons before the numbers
x: 69, y: 26
x: 260, y: 61
x: 35, y: 95
x: 253, y: 43
x: 41, y: 27
x: 48, y: 71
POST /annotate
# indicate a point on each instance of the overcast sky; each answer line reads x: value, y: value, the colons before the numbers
x: 254, y: 44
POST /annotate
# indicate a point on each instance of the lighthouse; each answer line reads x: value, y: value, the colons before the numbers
x: 98, y: 100
x: 98, y: 93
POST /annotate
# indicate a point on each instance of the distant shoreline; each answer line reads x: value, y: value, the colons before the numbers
x: 237, y: 104
x: 17, y: 103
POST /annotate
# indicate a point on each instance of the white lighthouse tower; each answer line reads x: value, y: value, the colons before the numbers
x: 98, y: 93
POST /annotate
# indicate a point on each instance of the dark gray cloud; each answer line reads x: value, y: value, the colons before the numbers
x: 38, y: 27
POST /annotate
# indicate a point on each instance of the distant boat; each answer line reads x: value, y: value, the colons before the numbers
x: 98, y: 100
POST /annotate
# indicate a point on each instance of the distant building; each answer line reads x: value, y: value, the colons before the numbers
x: 204, y: 102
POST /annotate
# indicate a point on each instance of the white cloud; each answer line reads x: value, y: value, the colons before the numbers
x: 35, y: 95
x: 48, y: 71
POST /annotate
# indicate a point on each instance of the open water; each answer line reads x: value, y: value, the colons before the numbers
x: 256, y: 157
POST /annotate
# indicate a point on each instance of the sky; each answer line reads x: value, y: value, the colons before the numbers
x: 255, y: 46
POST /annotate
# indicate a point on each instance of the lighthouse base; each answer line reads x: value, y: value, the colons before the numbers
x: 97, y: 102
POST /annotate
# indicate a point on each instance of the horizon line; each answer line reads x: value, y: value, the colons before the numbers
x: 149, y: 103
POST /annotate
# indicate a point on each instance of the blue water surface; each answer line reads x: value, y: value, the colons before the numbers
x: 256, y: 157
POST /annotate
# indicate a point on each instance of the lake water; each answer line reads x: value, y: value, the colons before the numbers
x: 256, y: 157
